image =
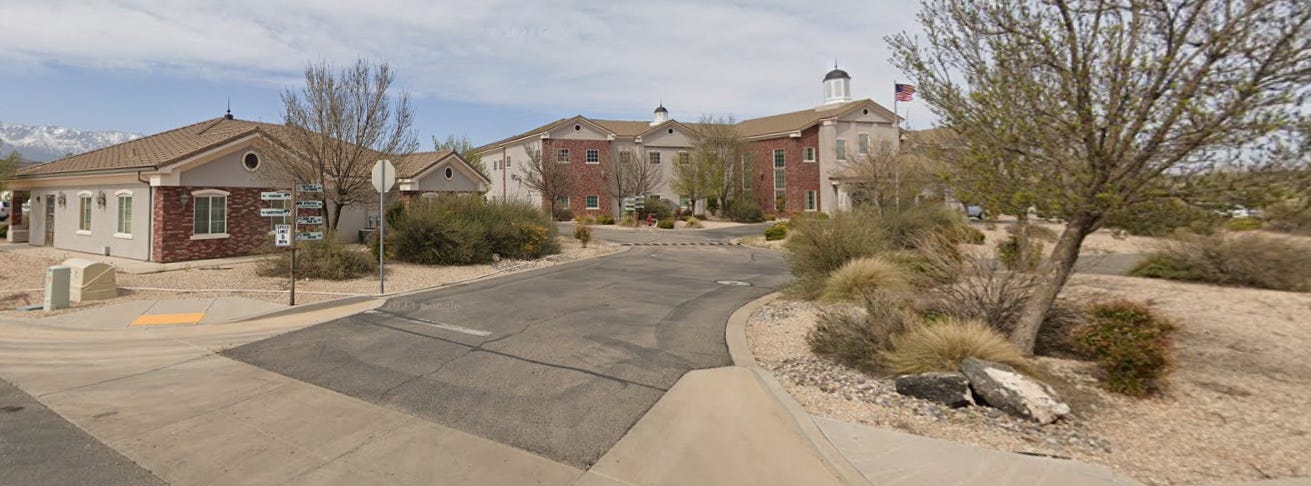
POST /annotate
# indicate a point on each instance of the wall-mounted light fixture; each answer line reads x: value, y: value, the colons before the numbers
x: 63, y: 200
x: 100, y: 199
x: 183, y: 198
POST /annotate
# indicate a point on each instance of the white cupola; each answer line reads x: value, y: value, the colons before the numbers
x: 837, y: 86
x: 661, y: 115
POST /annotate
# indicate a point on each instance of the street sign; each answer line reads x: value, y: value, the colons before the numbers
x: 274, y: 212
x: 309, y: 235
x: 384, y: 175
x: 311, y: 204
x: 282, y: 235
x: 275, y: 196
x: 309, y: 220
x: 309, y: 188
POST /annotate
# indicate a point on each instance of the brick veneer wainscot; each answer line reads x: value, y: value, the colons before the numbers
x: 248, y: 232
x: 587, y: 177
x: 799, y: 176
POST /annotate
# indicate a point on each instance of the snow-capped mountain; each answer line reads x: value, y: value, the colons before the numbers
x: 45, y: 143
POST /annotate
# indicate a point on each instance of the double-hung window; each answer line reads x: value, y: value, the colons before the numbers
x: 562, y: 156
x: 277, y: 220
x: 811, y: 200
x: 747, y: 172
x: 780, y: 173
x: 123, y: 228
x: 808, y: 154
x: 210, y: 212
x: 684, y: 158
x: 593, y: 156
x: 840, y: 146
x: 625, y: 157
x: 653, y: 157
x: 84, y: 213
x: 864, y: 144
x: 593, y: 202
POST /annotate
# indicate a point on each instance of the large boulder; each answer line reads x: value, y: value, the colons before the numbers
x: 1011, y: 392
x: 950, y: 388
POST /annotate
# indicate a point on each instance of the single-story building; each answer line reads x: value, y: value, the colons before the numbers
x: 191, y: 193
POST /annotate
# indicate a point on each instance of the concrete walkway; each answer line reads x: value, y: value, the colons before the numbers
x: 164, y: 312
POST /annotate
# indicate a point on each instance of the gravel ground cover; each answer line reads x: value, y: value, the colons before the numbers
x: 22, y: 275
x: 1235, y: 410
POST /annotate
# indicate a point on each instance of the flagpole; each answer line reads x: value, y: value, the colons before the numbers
x: 895, y: 115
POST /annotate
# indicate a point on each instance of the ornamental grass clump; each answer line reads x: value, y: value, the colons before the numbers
x: 942, y: 345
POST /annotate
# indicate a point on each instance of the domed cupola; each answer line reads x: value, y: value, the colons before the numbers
x: 837, y: 86
x: 661, y: 115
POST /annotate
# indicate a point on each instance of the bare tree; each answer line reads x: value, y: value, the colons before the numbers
x: 549, y: 178
x: 716, y: 147
x: 464, y: 147
x: 337, y: 126
x: 886, y: 178
x: 1094, y: 101
x: 634, y: 176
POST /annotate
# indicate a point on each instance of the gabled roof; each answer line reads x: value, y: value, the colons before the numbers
x: 155, y: 151
x: 799, y: 120
x: 410, y: 166
x: 544, y: 128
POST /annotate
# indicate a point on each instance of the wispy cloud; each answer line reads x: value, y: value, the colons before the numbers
x: 745, y: 58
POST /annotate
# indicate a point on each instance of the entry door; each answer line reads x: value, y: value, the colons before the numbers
x: 50, y: 222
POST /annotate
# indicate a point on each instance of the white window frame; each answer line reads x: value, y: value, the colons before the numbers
x: 210, y: 194
x: 812, y: 200
x: 684, y: 158
x: 840, y: 148
x: 808, y: 154
x: 588, y: 202
x: 653, y: 157
x: 506, y: 165
x: 593, y: 156
x: 863, y: 144
x: 780, y: 172
x: 562, y: 201
x: 84, y: 203
x: 282, y: 204
x: 119, y: 220
x: 562, y: 156
x: 625, y: 156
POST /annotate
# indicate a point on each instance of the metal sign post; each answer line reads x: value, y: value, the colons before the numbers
x: 384, y: 177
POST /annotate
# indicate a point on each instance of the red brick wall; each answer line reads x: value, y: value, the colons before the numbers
x: 587, y: 177
x: 799, y: 176
x: 174, y: 223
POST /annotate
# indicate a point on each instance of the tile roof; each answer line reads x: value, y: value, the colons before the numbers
x: 408, y: 166
x: 787, y: 122
x: 544, y: 128
x: 155, y: 151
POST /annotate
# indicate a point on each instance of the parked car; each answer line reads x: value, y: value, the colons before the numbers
x: 4, y: 210
x: 975, y: 211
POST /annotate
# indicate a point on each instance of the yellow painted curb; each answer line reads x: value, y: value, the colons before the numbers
x: 166, y: 319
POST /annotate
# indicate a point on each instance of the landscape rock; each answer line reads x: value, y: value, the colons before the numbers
x: 948, y: 388
x: 1012, y: 392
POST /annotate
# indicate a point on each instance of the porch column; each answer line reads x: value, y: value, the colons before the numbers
x: 17, y: 220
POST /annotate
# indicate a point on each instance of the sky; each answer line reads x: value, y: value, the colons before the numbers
x: 486, y: 69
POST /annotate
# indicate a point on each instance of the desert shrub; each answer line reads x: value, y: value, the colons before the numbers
x: 585, y: 219
x: 1245, y: 260
x: 973, y: 236
x: 858, y: 338
x: 771, y: 216
x: 712, y: 206
x: 326, y: 259
x: 583, y: 233
x: 985, y: 292
x: 667, y: 223
x: 653, y: 205
x: 863, y: 276
x: 942, y: 345
x: 744, y: 210
x: 776, y: 231
x: 465, y: 229
x: 932, y: 264
x: 780, y: 203
x: 1131, y: 345
x: 628, y: 220
x: 1160, y: 217
x: 693, y: 222
x: 605, y: 219
x: 1243, y: 224
x: 1008, y: 252
x: 1291, y: 216
x: 818, y: 247
x: 563, y: 214
x: 907, y: 227
x: 1056, y: 336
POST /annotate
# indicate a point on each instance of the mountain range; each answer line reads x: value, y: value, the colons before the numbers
x: 40, y: 143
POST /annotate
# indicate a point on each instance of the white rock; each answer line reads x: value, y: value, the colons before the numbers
x: 1006, y: 389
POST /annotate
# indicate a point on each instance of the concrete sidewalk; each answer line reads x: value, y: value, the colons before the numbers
x: 164, y: 312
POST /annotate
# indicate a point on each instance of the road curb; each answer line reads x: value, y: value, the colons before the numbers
x: 735, y: 335
x: 298, y: 309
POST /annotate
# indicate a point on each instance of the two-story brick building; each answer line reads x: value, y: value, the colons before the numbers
x: 795, y: 158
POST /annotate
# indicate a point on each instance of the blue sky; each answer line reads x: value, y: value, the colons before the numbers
x: 487, y: 69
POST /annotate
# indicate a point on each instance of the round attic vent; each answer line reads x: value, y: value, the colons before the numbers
x: 670, y: 131
x: 250, y: 161
x: 864, y: 111
x: 449, y: 173
x: 578, y: 128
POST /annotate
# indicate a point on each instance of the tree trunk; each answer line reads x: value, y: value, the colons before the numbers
x: 335, y: 214
x: 1052, y: 276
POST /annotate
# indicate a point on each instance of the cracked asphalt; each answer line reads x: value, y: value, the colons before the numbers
x: 568, y: 359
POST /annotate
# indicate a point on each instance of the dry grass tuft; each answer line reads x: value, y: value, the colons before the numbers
x: 861, y: 276
x: 942, y: 345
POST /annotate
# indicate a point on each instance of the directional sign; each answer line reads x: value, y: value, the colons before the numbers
x: 312, y: 204
x: 282, y: 235
x: 309, y: 220
x: 309, y: 235
x: 274, y: 212
x: 275, y: 196
x: 384, y: 175
x: 309, y: 188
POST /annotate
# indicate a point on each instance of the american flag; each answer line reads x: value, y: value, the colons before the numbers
x: 904, y: 91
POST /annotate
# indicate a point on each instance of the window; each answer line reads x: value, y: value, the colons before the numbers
x: 811, y: 200
x: 84, y: 213
x: 684, y: 158
x: 808, y: 154
x: 840, y: 146
x: 562, y: 156
x: 507, y: 163
x: 780, y: 173
x: 593, y: 156
x: 124, y: 226
x: 496, y: 165
x: 625, y: 157
x: 684, y: 202
x: 593, y: 202
x: 250, y: 161
x: 654, y: 157
x: 562, y: 202
x: 449, y: 173
x: 864, y: 143
x: 747, y: 172
x: 280, y: 219
x: 210, y: 210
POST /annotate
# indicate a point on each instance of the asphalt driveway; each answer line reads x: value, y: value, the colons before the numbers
x: 560, y: 362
